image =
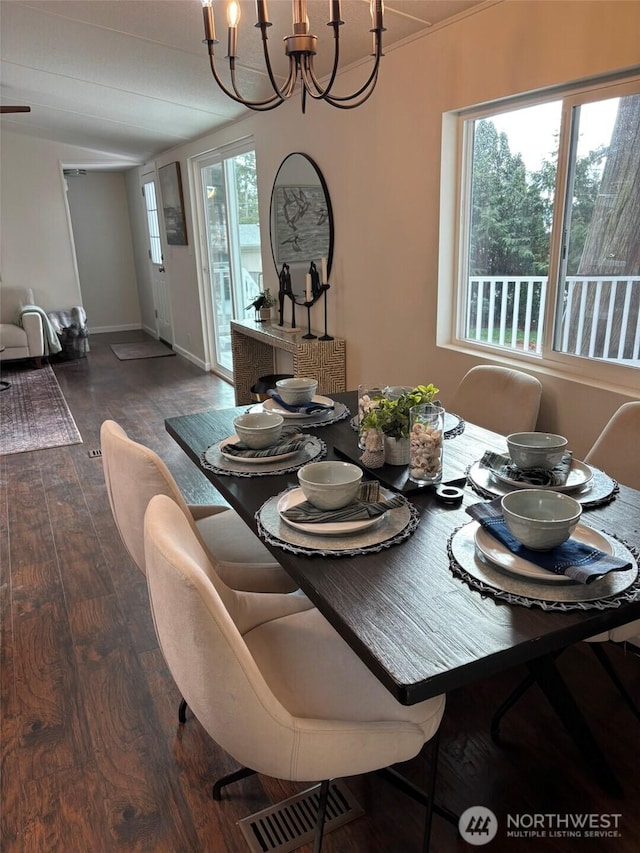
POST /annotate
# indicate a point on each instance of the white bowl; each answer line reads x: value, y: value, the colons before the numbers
x: 540, y: 518
x: 297, y: 390
x: 330, y: 485
x: 259, y: 429
x: 536, y: 449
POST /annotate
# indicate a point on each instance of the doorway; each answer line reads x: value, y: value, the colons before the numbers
x: 229, y: 244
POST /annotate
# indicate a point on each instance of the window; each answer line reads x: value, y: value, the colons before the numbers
x: 548, y: 248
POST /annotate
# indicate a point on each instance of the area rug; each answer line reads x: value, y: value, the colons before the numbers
x: 141, y: 349
x: 34, y: 414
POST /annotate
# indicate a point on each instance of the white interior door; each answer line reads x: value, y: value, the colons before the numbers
x: 159, y: 278
x: 162, y: 303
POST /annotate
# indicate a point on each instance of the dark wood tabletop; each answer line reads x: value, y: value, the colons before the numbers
x: 421, y: 630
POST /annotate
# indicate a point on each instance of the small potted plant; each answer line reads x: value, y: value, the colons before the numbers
x: 391, y: 418
x: 262, y: 304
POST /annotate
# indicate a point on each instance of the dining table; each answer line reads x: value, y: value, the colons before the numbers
x: 421, y: 611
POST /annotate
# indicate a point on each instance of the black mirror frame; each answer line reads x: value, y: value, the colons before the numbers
x: 325, y: 190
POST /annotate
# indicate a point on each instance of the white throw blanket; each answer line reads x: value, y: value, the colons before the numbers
x: 51, y: 343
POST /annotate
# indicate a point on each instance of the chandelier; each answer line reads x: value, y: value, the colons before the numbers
x: 300, y: 47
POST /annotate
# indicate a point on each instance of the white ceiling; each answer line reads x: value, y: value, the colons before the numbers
x: 132, y: 77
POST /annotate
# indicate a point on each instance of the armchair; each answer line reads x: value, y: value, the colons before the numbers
x: 23, y: 326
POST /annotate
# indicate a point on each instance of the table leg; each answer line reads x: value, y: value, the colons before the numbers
x: 559, y: 697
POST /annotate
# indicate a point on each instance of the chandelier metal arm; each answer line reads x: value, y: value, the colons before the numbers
x: 341, y: 101
x: 371, y: 81
x: 268, y: 104
x: 308, y: 74
x: 349, y: 106
x: 284, y: 92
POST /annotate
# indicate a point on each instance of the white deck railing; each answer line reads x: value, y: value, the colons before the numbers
x: 600, y: 315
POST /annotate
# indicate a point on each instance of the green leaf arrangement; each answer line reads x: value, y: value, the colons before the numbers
x: 391, y: 417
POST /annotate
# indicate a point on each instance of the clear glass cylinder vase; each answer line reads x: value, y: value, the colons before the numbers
x: 426, y: 440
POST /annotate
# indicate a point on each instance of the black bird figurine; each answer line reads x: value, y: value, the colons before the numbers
x: 258, y: 302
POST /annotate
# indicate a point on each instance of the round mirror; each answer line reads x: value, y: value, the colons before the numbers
x: 301, y: 220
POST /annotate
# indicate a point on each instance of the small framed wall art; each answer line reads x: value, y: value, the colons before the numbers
x: 173, y: 204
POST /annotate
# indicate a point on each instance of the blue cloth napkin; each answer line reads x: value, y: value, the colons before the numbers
x: 301, y: 408
x: 574, y: 559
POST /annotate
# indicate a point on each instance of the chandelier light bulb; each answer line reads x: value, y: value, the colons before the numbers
x: 233, y: 13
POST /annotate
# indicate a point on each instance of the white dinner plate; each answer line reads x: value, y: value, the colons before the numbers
x: 579, y: 475
x: 270, y: 405
x: 498, y: 554
x: 251, y: 460
x: 337, y: 528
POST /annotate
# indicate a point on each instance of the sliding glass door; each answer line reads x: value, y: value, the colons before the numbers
x: 231, y: 243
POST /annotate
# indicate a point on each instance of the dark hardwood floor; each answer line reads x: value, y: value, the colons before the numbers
x: 92, y: 756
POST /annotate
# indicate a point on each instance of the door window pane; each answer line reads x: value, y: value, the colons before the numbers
x: 230, y: 194
x: 153, y: 225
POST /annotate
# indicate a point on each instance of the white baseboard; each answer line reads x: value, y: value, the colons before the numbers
x: 129, y: 327
x: 191, y: 357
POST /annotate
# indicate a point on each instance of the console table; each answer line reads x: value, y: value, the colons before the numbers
x: 254, y: 346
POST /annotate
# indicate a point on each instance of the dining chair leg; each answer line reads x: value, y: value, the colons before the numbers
x: 236, y: 776
x: 431, y: 790
x: 559, y: 697
x: 182, y: 712
x: 322, y: 811
x: 606, y: 664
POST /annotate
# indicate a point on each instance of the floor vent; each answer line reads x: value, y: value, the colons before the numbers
x: 291, y: 823
x: 95, y: 454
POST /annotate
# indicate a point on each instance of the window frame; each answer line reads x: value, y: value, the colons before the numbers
x: 458, y: 139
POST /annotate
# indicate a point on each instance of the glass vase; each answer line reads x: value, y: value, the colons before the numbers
x: 426, y: 439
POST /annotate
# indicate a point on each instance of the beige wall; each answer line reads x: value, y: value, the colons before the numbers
x: 382, y: 166
x: 104, y: 251
x: 36, y: 248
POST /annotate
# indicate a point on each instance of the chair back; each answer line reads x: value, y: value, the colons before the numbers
x: 224, y: 649
x: 133, y: 474
x: 615, y: 451
x: 498, y: 398
x: 195, y: 615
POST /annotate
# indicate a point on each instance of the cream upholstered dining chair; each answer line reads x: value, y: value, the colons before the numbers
x: 286, y: 697
x: 615, y: 451
x: 498, y: 398
x: 134, y: 473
